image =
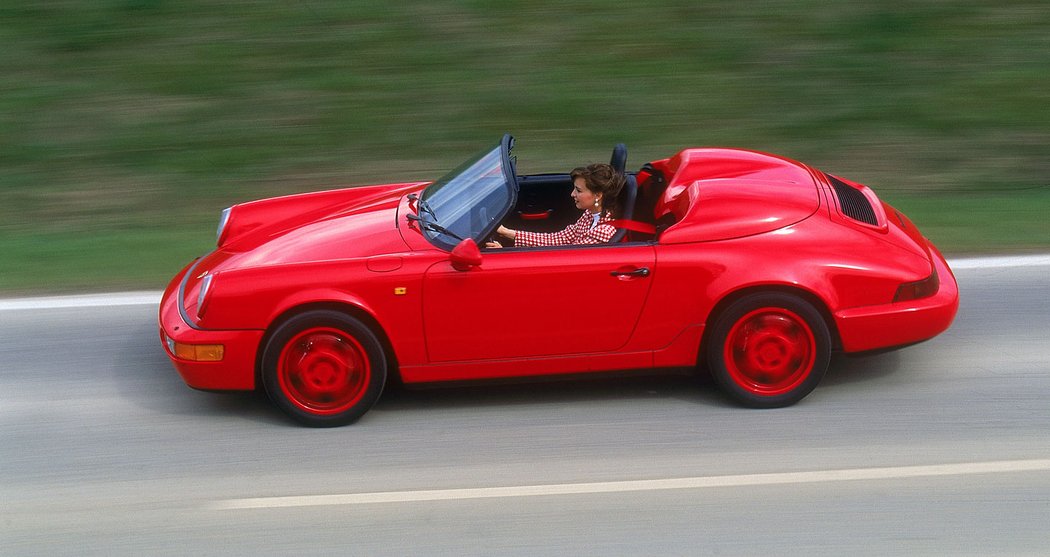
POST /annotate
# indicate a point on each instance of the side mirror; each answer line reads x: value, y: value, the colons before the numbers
x: 466, y: 255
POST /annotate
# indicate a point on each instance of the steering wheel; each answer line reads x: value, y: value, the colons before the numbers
x: 492, y: 238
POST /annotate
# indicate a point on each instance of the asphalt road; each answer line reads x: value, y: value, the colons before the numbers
x: 939, y: 448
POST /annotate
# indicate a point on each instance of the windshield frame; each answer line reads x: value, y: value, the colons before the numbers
x: 458, y: 192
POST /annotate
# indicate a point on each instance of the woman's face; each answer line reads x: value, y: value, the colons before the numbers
x: 583, y: 197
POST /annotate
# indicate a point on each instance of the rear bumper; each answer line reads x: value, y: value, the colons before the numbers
x: 236, y: 370
x: 900, y: 324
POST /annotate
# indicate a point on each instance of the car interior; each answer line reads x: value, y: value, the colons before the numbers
x: 545, y: 205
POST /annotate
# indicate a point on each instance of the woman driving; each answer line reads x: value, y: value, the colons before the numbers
x: 596, y: 189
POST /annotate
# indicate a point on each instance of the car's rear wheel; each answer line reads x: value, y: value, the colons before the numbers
x: 769, y: 350
x: 324, y: 368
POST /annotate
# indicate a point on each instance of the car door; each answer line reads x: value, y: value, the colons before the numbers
x: 535, y: 302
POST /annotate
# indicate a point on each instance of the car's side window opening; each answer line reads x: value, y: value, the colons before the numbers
x: 545, y: 206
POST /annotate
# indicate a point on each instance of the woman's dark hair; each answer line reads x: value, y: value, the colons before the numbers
x: 601, y: 178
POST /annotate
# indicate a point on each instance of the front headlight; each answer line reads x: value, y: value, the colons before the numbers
x: 224, y: 219
x: 202, y: 296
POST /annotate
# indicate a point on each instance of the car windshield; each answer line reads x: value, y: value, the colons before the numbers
x: 469, y: 201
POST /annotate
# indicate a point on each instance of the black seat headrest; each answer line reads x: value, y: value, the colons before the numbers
x: 619, y: 158
x: 628, y: 195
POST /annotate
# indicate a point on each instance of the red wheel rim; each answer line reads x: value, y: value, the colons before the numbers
x: 323, y: 371
x: 770, y: 351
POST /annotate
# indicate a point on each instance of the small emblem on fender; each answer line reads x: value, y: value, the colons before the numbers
x: 400, y: 291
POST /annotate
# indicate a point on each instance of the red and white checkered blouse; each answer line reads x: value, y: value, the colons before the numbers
x: 582, y: 232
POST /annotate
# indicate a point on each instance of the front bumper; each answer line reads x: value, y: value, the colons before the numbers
x: 900, y: 324
x: 236, y: 370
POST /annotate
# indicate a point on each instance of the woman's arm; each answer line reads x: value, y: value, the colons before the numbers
x: 600, y: 234
x: 571, y: 235
x: 537, y: 239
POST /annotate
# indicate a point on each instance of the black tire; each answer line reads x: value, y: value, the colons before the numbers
x: 324, y: 368
x: 769, y: 350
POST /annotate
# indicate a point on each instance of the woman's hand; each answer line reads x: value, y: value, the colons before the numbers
x: 493, y: 244
x: 506, y: 232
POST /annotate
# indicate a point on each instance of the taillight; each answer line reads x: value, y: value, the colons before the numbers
x: 919, y: 289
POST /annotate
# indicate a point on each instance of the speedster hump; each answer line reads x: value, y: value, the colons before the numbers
x: 721, y: 194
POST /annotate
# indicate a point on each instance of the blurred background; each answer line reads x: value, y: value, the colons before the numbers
x: 126, y: 126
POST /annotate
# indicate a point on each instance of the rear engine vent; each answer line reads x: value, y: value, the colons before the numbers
x: 853, y: 203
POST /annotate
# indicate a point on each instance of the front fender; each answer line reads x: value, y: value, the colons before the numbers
x: 252, y: 298
x: 319, y: 297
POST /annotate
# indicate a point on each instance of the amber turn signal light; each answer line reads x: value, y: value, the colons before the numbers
x: 198, y: 352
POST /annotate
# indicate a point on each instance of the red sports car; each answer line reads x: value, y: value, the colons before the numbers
x: 750, y: 265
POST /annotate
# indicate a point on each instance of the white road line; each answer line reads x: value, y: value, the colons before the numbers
x: 1000, y: 262
x: 153, y: 298
x: 82, y: 301
x: 859, y: 474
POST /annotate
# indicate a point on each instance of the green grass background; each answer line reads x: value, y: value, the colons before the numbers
x: 127, y: 125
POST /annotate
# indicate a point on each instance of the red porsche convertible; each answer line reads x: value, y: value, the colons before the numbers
x: 749, y: 265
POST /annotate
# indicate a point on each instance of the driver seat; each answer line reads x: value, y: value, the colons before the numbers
x: 628, y: 194
x: 619, y: 158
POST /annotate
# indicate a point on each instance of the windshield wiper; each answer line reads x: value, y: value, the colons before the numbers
x: 423, y: 205
x: 431, y: 225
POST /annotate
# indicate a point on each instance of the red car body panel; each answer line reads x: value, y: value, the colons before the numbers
x: 743, y: 222
x: 237, y: 369
x: 720, y: 194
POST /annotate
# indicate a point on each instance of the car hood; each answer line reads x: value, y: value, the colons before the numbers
x: 322, y: 226
x: 301, y: 229
x: 318, y: 226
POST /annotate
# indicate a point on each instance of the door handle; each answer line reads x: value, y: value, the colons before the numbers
x: 640, y: 272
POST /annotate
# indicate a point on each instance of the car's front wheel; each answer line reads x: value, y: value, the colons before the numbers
x: 324, y: 368
x: 769, y: 350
